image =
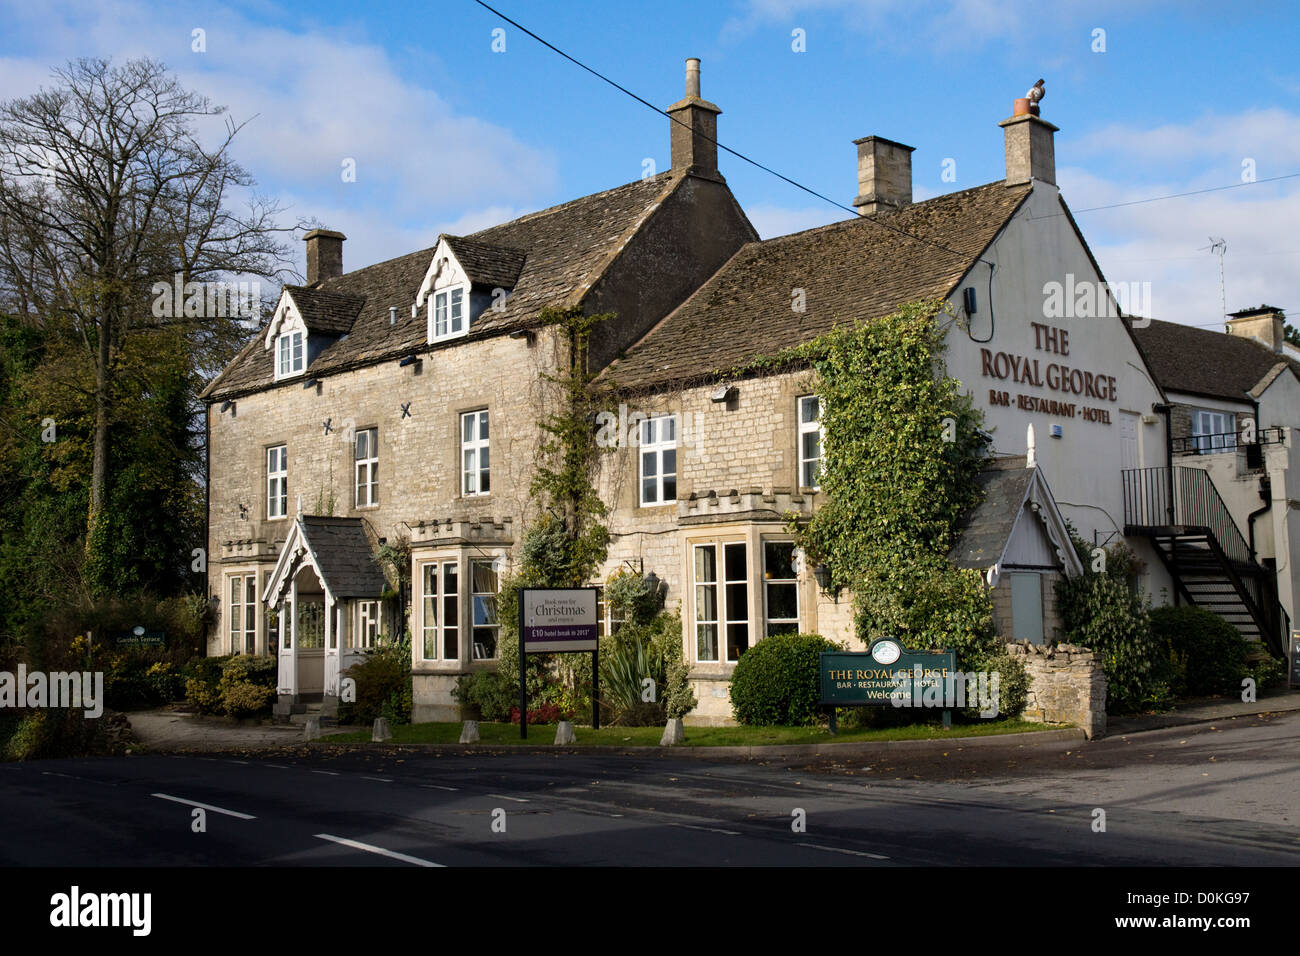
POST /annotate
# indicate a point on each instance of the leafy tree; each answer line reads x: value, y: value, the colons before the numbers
x: 107, y: 197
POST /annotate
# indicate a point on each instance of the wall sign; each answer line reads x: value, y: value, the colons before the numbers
x: 1076, y: 386
x: 879, y: 676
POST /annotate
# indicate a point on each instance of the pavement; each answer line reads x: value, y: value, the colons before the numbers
x: 167, y: 731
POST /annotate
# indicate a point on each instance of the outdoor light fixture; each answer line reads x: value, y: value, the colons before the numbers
x: 823, y: 575
x: 311, y: 383
x: 526, y: 334
x: 226, y: 406
x: 409, y: 360
x: 724, y: 393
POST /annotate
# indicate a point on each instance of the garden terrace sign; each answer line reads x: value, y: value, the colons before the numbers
x: 557, y: 620
x: 885, y: 674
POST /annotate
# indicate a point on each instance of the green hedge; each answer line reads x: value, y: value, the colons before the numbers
x: 776, y: 681
x: 237, y: 685
x: 1205, y: 654
x: 383, y: 686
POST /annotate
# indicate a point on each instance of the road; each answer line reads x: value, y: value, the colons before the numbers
x: 1208, y: 795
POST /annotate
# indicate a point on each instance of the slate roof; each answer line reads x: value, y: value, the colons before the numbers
x: 857, y: 269
x: 983, y: 532
x: 329, y: 312
x: 1205, y: 362
x: 487, y: 264
x: 560, y: 253
x: 343, y: 551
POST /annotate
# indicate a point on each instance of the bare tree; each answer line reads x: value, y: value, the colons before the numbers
x: 107, y: 195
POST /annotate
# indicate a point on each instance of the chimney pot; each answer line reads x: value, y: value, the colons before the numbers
x: 884, y: 175
x: 693, y: 129
x: 324, y: 255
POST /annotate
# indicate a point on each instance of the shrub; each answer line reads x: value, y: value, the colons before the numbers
x: 201, y: 684
x: 484, y: 695
x: 1013, y: 684
x: 1099, y: 611
x: 247, y: 685
x: 1207, y: 655
x: 37, y: 734
x: 776, y: 681
x: 383, y: 686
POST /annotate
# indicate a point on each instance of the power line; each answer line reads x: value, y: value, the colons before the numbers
x: 741, y: 156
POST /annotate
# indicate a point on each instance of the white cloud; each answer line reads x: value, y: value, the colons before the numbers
x: 316, y: 98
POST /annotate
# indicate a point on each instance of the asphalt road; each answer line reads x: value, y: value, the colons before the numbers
x: 1210, y: 795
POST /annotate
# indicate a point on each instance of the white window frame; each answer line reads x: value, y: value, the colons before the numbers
x: 1214, y: 431
x: 726, y: 614
x: 654, y: 445
x: 474, y: 626
x: 474, y: 451
x: 366, y: 470
x: 247, y: 605
x: 443, y: 320
x: 277, y: 479
x: 768, y: 620
x: 441, y: 625
x: 369, y: 623
x: 290, y: 353
x: 805, y: 428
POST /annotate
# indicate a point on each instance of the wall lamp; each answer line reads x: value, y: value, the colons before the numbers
x: 226, y: 406
x: 311, y: 383
x: 525, y: 334
x: 409, y: 360
x: 724, y: 393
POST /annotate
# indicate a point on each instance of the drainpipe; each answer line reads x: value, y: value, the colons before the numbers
x: 1266, y: 493
x: 1165, y: 409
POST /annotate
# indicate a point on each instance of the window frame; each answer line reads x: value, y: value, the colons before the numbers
x: 657, y: 447
x: 767, y: 581
x: 370, y: 464
x: 1217, y: 439
x: 480, y: 448
x: 365, y: 622
x: 474, y: 595
x: 442, y: 625
x: 297, y: 363
x: 725, y: 615
x: 247, y: 605
x: 443, y: 300
x: 806, y: 427
x: 282, y: 476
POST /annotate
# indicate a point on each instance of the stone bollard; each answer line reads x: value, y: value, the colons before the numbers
x: 469, y: 732
x: 674, y: 733
x: 564, y: 733
x: 381, y: 733
x: 311, y: 729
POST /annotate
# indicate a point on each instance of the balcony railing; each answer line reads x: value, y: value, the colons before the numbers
x: 1217, y: 442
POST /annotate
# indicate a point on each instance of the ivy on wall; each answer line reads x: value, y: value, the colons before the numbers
x: 900, y: 457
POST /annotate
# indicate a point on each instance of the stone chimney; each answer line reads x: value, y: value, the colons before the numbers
x: 1265, y: 324
x: 324, y: 255
x: 1028, y: 140
x: 694, y: 129
x: 884, y: 175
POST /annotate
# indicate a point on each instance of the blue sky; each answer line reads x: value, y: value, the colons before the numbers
x: 448, y: 135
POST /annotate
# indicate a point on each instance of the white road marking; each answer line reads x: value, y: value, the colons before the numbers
x: 502, y: 796
x: 687, y: 826
x: 242, y: 763
x: 369, y: 848
x: 51, y: 773
x: 838, y: 849
x: 328, y: 773
x: 379, y: 779
x: 434, y: 786
x: 204, y: 806
x: 277, y: 766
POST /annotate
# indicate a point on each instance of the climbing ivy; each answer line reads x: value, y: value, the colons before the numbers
x: 899, y: 463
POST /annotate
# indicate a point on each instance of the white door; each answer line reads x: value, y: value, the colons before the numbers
x: 1129, y: 456
x: 334, y: 637
x: 288, y: 677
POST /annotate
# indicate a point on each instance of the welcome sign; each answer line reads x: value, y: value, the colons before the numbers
x: 885, y: 673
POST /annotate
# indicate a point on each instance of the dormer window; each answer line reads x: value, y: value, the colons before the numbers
x: 447, y: 316
x: 290, y: 352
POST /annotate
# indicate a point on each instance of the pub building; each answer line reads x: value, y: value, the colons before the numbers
x: 399, y: 402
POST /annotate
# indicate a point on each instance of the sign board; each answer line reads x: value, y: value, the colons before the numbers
x: 1295, y: 659
x: 139, y: 637
x: 554, y: 619
x: 882, y: 674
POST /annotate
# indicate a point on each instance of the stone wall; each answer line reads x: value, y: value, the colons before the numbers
x: 1067, y: 686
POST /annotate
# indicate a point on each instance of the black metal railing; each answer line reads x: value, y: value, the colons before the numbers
x: 1221, y: 442
x: 1152, y: 499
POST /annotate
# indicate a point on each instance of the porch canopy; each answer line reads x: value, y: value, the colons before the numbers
x: 326, y: 561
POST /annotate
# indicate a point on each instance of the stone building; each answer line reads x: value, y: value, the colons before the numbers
x: 399, y: 402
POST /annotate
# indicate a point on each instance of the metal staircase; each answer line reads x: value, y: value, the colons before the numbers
x: 1193, y: 533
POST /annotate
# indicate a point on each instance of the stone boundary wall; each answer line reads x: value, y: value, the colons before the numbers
x: 1066, y: 685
